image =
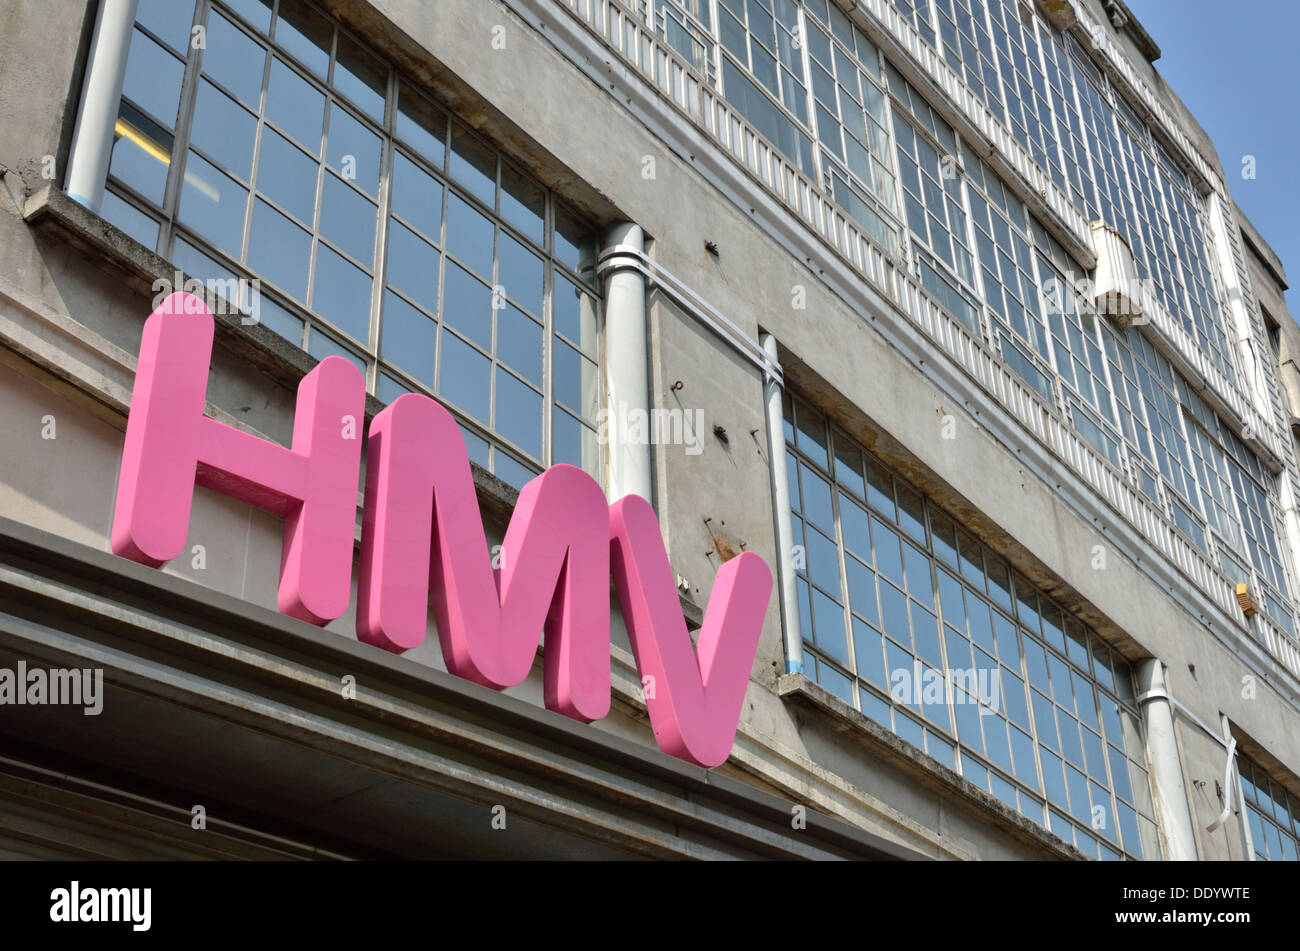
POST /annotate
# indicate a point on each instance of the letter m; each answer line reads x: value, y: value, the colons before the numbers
x: 171, y: 447
x: 422, y: 541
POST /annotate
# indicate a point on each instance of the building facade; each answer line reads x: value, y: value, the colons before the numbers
x: 941, y: 307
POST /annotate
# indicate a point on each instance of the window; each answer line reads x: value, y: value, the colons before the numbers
x: 993, y: 266
x: 762, y: 65
x: 849, y: 102
x: 380, y: 228
x: 1274, y: 332
x: 686, y: 26
x: 1272, y: 812
x: 909, y: 619
x: 968, y: 49
x: 932, y: 194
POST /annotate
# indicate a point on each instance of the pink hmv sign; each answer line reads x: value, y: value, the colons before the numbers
x: 423, y: 544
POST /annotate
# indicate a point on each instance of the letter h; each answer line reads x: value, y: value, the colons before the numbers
x: 171, y: 447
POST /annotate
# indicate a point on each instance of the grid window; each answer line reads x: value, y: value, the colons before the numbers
x: 1069, y: 124
x: 302, y: 160
x: 968, y: 49
x: 1152, y: 416
x: 852, y: 125
x: 762, y: 65
x: 686, y: 25
x: 932, y: 198
x: 1098, y: 123
x: 1058, y: 105
x: 914, y: 622
x: 1272, y: 812
x: 809, y: 80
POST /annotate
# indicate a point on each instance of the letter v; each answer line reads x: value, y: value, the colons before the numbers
x: 695, y: 703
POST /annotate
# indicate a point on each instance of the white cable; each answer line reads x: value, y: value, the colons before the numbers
x: 1229, y: 744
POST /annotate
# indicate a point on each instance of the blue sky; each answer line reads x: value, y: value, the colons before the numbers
x: 1234, y: 65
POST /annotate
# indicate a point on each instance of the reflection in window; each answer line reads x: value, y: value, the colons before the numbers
x: 420, y: 254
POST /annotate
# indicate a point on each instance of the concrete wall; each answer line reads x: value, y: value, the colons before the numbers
x: 579, y: 138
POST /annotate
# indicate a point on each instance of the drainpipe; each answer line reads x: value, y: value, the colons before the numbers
x: 1166, y: 766
x: 627, y: 371
x: 92, y: 139
x: 781, y: 507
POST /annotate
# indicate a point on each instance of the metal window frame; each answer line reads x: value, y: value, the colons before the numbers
x: 367, y: 351
x: 793, y: 404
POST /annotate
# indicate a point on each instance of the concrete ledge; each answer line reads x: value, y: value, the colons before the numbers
x: 210, y: 654
x: 834, y: 713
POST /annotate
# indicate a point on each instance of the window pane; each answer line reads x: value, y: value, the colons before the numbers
x: 256, y: 12
x: 341, y: 293
x: 417, y: 197
x: 520, y: 272
x: 153, y: 79
x: 467, y: 305
x: 287, y: 176
x: 519, y: 344
x: 408, y: 339
x: 168, y: 20
x: 573, y: 443
x: 575, y: 244
x: 322, y: 345
x: 420, y: 124
x: 198, y: 265
x: 518, y: 413
x: 295, y: 106
x: 848, y: 466
x: 523, y: 203
x: 234, y: 60
x: 213, y: 205
x: 576, y: 381
x: 279, y: 250
x: 348, y: 220
x: 511, y: 471
x: 141, y: 154
x: 305, y: 34
x: 828, y: 619
x: 412, y: 266
x: 130, y: 219
x: 354, y: 151
x: 389, y: 389
x: 465, y: 377
x: 473, y: 165
x: 575, y: 314
x: 868, y: 649
x: 811, y: 434
x: 469, y: 236
x: 361, y: 77
x: 278, y: 319
x: 224, y: 130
